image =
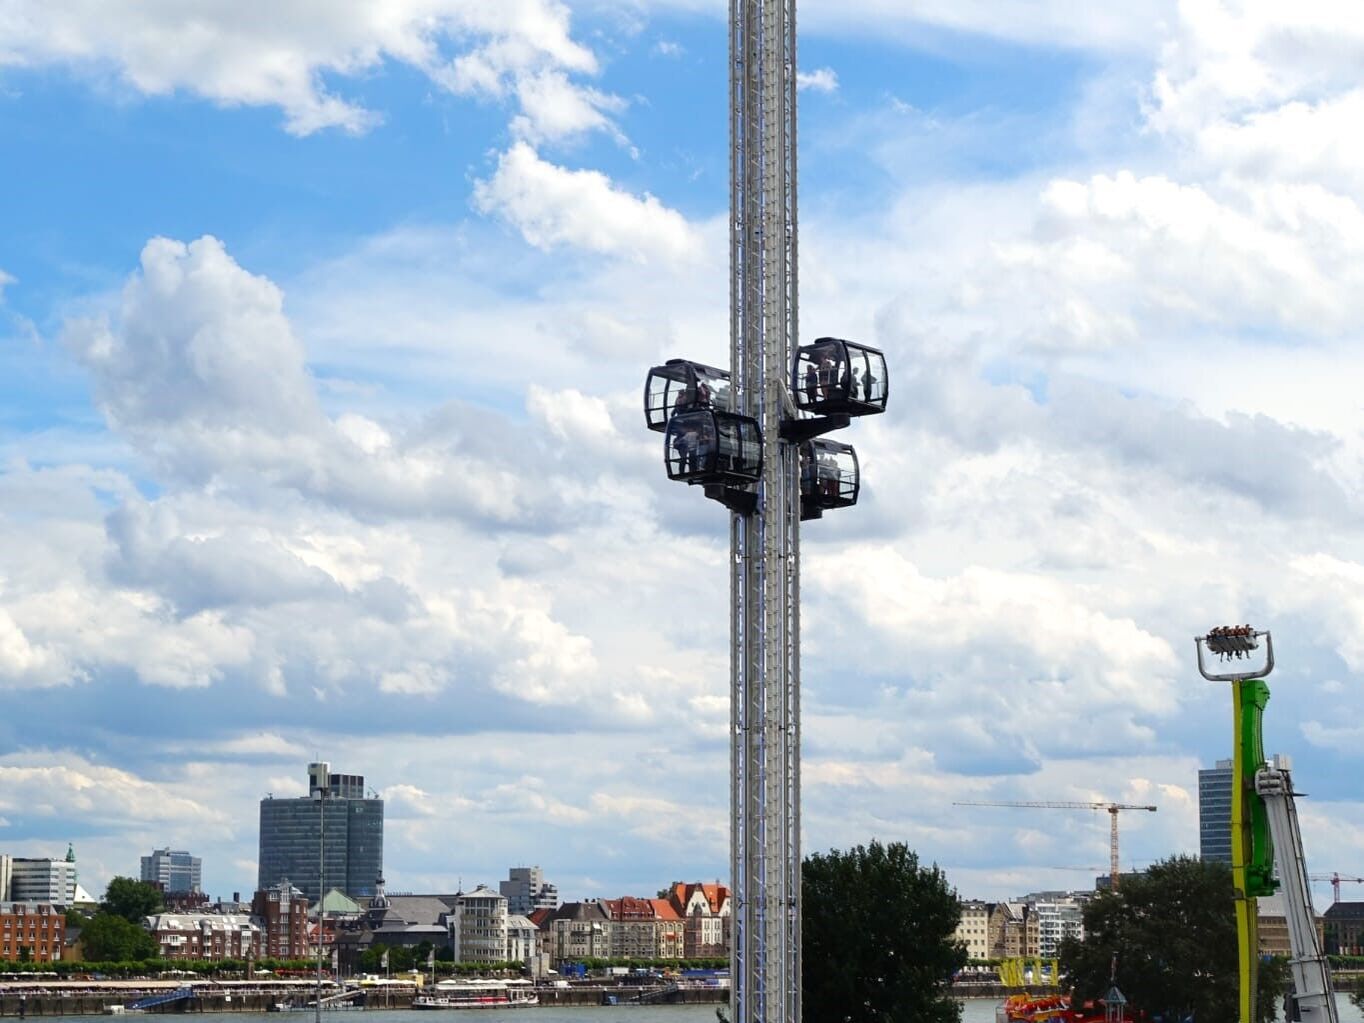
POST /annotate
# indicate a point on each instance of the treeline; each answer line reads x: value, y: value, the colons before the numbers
x: 153, y: 967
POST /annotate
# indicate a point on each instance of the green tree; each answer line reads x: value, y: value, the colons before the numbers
x: 371, y: 960
x: 131, y: 899
x: 109, y: 938
x: 1173, y: 933
x: 75, y: 918
x: 878, y: 938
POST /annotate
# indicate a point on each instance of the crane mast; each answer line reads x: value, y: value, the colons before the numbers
x: 1062, y: 804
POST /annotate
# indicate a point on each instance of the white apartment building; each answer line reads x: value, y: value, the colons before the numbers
x: 523, y: 939
x: 973, y: 930
x: 478, y: 926
x: 1057, y: 919
x: 43, y: 880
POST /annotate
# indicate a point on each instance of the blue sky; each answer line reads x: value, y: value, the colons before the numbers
x: 321, y: 341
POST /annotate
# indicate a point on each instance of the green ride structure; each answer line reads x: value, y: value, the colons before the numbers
x: 1264, y: 818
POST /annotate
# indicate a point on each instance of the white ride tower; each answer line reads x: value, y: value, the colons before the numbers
x: 751, y: 436
x: 765, y: 588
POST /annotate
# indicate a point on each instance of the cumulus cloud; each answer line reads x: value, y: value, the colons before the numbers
x: 202, y: 347
x: 201, y: 369
x: 824, y: 79
x: 1050, y: 23
x: 104, y: 794
x: 553, y: 206
x: 1118, y: 260
x: 283, y: 56
x: 24, y: 664
x: 1049, y: 507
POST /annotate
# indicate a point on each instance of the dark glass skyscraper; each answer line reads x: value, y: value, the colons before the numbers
x: 352, y: 841
x: 1214, y: 813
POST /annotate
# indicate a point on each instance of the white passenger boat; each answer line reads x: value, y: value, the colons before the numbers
x: 478, y: 994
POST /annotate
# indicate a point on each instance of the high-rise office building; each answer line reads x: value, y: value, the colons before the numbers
x: 336, y: 821
x: 175, y: 871
x: 1214, y: 813
x: 526, y: 891
x: 44, y: 880
x: 5, y: 865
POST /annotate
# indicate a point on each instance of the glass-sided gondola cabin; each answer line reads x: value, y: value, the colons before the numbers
x: 833, y: 376
x: 707, y: 445
x: 679, y: 384
x: 829, y: 477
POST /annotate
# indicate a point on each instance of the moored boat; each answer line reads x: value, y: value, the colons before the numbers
x: 1052, y: 1009
x: 478, y: 994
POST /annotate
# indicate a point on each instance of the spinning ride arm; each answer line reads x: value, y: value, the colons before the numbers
x: 1264, y: 818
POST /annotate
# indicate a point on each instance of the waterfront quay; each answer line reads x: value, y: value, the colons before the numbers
x: 100, y: 997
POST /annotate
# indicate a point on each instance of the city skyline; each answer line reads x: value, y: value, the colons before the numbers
x: 322, y: 434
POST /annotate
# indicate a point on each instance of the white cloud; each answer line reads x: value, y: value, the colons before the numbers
x: 104, y: 795
x: 417, y: 680
x: 1122, y: 260
x: 556, y: 108
x: 1047, y: 23
x: 823, y: 79
x: 280, y: 56
x: 1087, y: 456
x: 202, y: 371
x: 24, y: 664
x: 5, y: 281
x: 552, y: 206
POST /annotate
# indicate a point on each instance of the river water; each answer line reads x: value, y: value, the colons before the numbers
x: 980, y: 1010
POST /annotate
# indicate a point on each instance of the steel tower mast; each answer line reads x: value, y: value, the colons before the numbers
x: 753, y: 437
x: 765, y: 590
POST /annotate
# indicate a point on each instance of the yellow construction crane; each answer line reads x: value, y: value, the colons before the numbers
x: 1112, y: 808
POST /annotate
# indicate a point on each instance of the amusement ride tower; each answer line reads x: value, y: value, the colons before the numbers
x: 752, y: 436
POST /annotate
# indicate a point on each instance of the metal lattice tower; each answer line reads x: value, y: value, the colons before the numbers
x: 765, y: 592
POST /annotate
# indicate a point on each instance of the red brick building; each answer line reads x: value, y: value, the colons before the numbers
x: 205, y: 935
x: 32, y: 932
x: 282, y: 913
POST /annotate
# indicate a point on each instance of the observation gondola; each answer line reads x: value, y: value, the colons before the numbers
x: 713, y: 447
x: 838, y: 377
x: 680, y: 384
x: 830, y: 477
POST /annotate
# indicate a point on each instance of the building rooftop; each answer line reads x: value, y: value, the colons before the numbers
x: 1345, y: 911
x: 583, y: 911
